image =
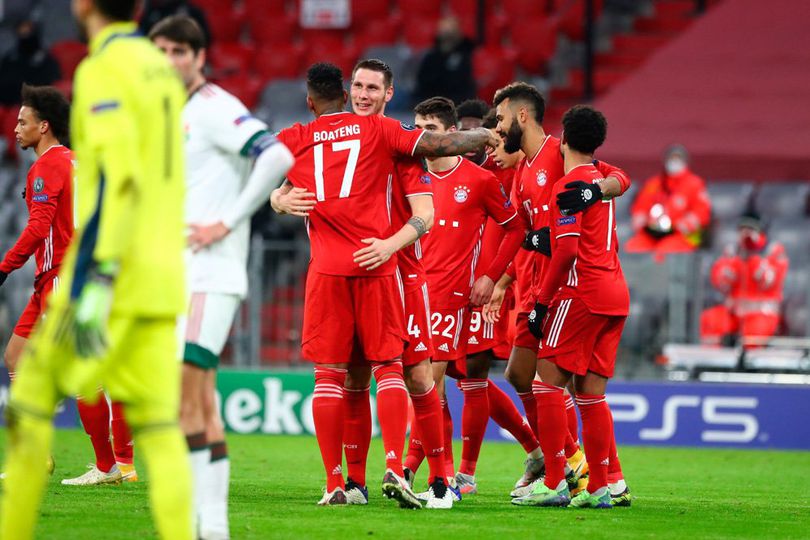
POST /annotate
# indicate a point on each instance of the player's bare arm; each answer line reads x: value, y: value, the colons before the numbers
x: 378, y: 251
x: 455, y: 143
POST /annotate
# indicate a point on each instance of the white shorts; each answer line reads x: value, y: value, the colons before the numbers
x: 210, y: 316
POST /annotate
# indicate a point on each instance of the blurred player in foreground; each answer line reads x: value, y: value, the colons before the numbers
x: 221, y: 139
x: 347, y: 160
x: 582, y: 304
x: 114, y: 318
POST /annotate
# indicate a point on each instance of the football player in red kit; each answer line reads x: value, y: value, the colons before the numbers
x: 581, y: 308
x: 346, y: 160
x: 42, y: 125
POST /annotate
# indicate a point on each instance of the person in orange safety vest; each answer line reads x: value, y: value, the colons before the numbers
x: 672, y: 209
x: 751, y: 274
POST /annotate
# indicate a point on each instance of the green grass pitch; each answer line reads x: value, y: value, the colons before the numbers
x: 680, y: 493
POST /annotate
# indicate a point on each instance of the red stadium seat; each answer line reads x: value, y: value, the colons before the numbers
x: 344, y: 57
x: 363, y: 10
x: 419, y: 8
x: 230, y: 59
x: 261, y: 8
x: 8, y: 121
x: 245, y: 87
x: 225, y: 24
x: 323, y: 39
x: 493, y: 30
x: 68, y: 54
x: 377, y: 32
x: 524, y: 8
x: 535, y: 41
x: 210, y: 6
x: 282, y: 61
x: 272, y: 28
x: 65, y: 86
x: 460, y: 8
x: 572, y: 15
x: 420, y: 32
x: 493, y: 68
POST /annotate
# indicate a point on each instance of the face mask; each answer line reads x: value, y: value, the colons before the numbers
x: 753, y: 241
x: 674, y: 166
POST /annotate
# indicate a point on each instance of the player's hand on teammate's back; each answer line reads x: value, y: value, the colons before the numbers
x: 536, y: 318
x: 202, y: 236
x: 297, y: 202
x: 375, y: 254
x: 578, y: 196
x: 539, y: 241
x: 93, y: 312
x: 482, y: 291
x: 491, y: 312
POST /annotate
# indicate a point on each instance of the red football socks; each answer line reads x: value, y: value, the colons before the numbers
x: 530, y: 406
x: 502, y: 409
x: 327, y: 414
x: 572, y: 443
x: 96, y: 421
x: 356, y: 432
x: 597, y: 434
x: 416, y: 453
x: 392, y: 411
x: 449, y: 464
x: 614, y: 465
x: 122, y: 437
x: 429, y: 427
x: 553, y: 430
x: 474, y: 420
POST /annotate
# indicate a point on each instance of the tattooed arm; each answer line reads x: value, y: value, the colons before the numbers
x: 454, y: 143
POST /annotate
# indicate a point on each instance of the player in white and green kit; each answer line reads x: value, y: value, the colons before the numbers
x: 221, y: 140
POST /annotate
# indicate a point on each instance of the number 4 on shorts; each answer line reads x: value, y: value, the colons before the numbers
x: 413, y: 329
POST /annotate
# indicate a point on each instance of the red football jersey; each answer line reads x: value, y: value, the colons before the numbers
x: 347, y: 161
x: 49, y: 197
x: 463, y: 198
x: 410, y: 178
x: 493, y: 233
x: 596, y: 276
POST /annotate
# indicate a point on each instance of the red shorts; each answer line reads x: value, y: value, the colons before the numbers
x: 524, y: 338
x: 36, y: 305
x: 417, y: 319
x: 579, y: 341
x: 486, y: 336
x: 451, y: 329
x: 343, y: 311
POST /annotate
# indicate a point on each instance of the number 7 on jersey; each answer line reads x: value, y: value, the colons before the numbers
x: 348, y: 174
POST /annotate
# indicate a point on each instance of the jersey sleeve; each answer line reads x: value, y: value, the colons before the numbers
x: 400, y: 137
x: 413, y: 177
x: 231, y: 127
x: 43, y: 195
x: 607, y: 169
x: 497, y: 202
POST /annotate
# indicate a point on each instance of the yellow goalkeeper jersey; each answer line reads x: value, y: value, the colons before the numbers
x: 126, y: 132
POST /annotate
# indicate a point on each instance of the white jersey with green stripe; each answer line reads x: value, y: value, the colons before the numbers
x: 219, y: 131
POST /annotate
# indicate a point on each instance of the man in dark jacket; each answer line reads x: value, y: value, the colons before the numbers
x: 446, y: 70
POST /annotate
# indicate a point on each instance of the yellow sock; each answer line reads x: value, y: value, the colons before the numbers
x: 29, y: 445
x: 166, y: 455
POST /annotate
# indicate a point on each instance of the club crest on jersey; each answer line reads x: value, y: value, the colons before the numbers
x: 39, y: 185
x: 542, y: 177
x: 461, y: 194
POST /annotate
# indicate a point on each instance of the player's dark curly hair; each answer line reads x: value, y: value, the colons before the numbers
x: 117, y: 10
x: 49, y: 105
x: 180, y: 29
x: 526, y: 93
x: 325, y: 81
x: 374, y: 64
x: 584, y: 128
x: 472, y: 108
x: 490, y: 120
x: 439, y: 107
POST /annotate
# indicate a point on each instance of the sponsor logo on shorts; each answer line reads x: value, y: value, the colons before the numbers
x: 472, y: 341
x: 419, y: 348
x: 444, y: 348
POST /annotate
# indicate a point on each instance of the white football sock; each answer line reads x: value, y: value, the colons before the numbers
x: 214, y: 509
x: 199, y: 471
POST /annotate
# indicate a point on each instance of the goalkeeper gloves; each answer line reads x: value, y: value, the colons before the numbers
x: 536, y: 318
x: 578, y: 196
x: 93, y: 311
x: 539, y: 241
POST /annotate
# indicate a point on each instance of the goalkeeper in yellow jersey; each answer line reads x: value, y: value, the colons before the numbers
x: 113, y: 320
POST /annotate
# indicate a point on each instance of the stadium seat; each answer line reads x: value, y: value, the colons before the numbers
x: 783, y: 199
x: 411, y: 9
x: 376, y: 32
x: 365, y: 10
x: 68, y: 54
x: 262, y: 8
x: 225, y: 24
x: 797, y: 281
x: 521, y: 9
x: 281, y: 61
x: 793, y: 234
x: 729, y: 199
x: 273, y: 28
x: 230, y: 59
x: 625, y: 202
x: 283, y: 102
x: 572, y: 15
x: 535, y: 41
x: 213, y: 6
x: 420, y: 32
x: 247, y: 88
x: 724, y: 233
x: 493, y: 68
x: 796, y: 313
x: 343, y: 57
x: 323, y: 39
x: 8, y: 121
